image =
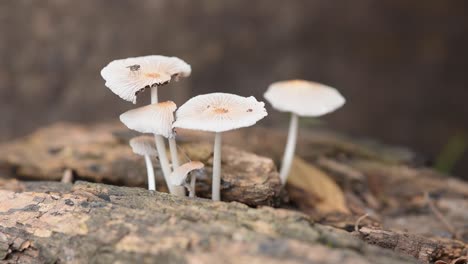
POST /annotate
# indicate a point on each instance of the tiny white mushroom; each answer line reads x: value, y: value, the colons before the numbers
x: 156, y: 119
x: 144, y: 146
x: 153, y: 118
x: 301, y: 98
x: 179, y: 175
x: 219, y: 112
x: 128, y: 77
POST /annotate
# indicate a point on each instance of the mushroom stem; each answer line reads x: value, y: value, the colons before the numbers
x: 289, y: 150
x: 193, y: 178
x: 150, y: 170
x: 161, y: 148
x: 174, y: 155
x: 216, y: 181
x: 154, y: 94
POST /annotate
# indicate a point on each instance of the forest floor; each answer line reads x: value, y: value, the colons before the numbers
x: 346, y: 201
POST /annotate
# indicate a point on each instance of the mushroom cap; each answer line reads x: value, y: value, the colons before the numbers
x: 218, y: 112
x: 144, y: 145
x: 127, y: 77
x: 303, y: 98
x: 154, y: 118
x: 179, y: 175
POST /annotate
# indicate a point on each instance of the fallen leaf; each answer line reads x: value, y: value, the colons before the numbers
x: 310, y: 187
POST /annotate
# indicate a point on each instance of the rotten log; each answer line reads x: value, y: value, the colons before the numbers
x: 96, y: 223
x: 101, y: 154
x: 389, y: 183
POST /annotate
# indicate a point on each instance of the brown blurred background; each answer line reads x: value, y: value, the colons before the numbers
x: 401, y: 64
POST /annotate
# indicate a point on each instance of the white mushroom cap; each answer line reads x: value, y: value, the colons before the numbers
x: 144, y: 145
x: 303, y: 98
x: 218, y: 112
x: 154, y: 118
x: 179, y: 175
x: 127, y: 77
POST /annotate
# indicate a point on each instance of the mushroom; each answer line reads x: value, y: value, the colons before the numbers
x: 144, y: 146
x: 179, y: 176
x: 219, y: 112
x: 128, y: 77
x: 300, y: 98
x: 156, y: 119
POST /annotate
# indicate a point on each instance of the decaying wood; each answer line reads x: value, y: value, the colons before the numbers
x: 384, y: 182
x: 423, y: 249
x: 402, y: 220
x: 101, y: 154
x: 312, y: 144
x: 95, y: 223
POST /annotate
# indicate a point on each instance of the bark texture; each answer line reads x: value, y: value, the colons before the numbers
x: 102, y: 154
x: 96, y: 223
x: 413, y: 210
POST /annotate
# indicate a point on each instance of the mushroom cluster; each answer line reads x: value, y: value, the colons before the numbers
x: 128, y: 78
x: 214, y: 112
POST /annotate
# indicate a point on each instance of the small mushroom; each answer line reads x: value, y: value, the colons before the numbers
x: 179, y: 176
x: 300, y: 98
x: 144, y: 146
x: 156, y: 119
x: 219, y: 112
x: 127, y: 77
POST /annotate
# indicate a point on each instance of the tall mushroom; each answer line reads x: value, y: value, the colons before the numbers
x: 156, y: 119
x: 179, y: 176
x: 144, y: 146
x: 128, y: 77
x: 219, y: 112
x: 300, y: 98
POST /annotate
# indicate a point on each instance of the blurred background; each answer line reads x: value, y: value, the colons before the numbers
x: 402, y: 65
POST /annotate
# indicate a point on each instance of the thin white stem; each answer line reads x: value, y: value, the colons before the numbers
x: 174, y: 155
x: 161, y: 147
x: 289, y: 150
x: 166, y: 169
x: 193, y: 178
x: 154, y: 95
x: 216, y: 180
x: 150, y: 173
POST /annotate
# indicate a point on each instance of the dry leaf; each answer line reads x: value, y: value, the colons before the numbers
x: 312, y: 188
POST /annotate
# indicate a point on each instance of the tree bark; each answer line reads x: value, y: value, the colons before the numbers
x: 96, y: 223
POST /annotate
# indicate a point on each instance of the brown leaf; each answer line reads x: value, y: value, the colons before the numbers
x: 310, y: 187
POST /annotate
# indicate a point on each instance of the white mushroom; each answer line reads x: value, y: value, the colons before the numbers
x: 144, y: 146
x: 301, y: 98
x: 128, y: 77
x: 219, y: 112
x: 156, y: 119
x: 153, y: 118
x: 179, y: 175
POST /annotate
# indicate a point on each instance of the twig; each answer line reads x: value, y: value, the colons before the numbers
x: 358, y: 221
x: 440, y: 216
